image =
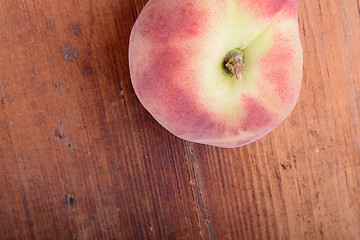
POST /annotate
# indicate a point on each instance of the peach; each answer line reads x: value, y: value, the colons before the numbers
x: 220, y: 72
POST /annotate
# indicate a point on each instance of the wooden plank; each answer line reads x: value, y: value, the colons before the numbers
x: 302, y: 180
x: 76, y: 128
x: 81, y: 158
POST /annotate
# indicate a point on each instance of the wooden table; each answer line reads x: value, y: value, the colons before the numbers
x: 80, y: 158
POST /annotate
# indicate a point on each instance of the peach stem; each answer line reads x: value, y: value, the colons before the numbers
x: 236, y: 63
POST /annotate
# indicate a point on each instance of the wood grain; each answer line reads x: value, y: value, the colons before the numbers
x: 80, y: 158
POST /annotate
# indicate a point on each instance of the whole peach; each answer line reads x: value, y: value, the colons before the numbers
x: 220, y: 72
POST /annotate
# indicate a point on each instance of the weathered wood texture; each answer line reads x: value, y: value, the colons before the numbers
x: 81, y: 158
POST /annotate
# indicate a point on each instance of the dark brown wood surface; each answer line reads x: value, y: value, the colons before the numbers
x: 80, y: 158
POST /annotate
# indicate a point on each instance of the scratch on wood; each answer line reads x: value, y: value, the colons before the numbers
x: 34, y: 5
x: 27, y: 16
x: 197, y: 183
x: 29, y: 221
x: 192, y: 191
x: 50, y: 24
x: 303, y: 27
x: 327, y: 70
x: 176, y: 174
x: 320, y: 9
x: 2, y: 94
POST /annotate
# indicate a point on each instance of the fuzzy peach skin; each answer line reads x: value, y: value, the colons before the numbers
x: 176, y: 55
